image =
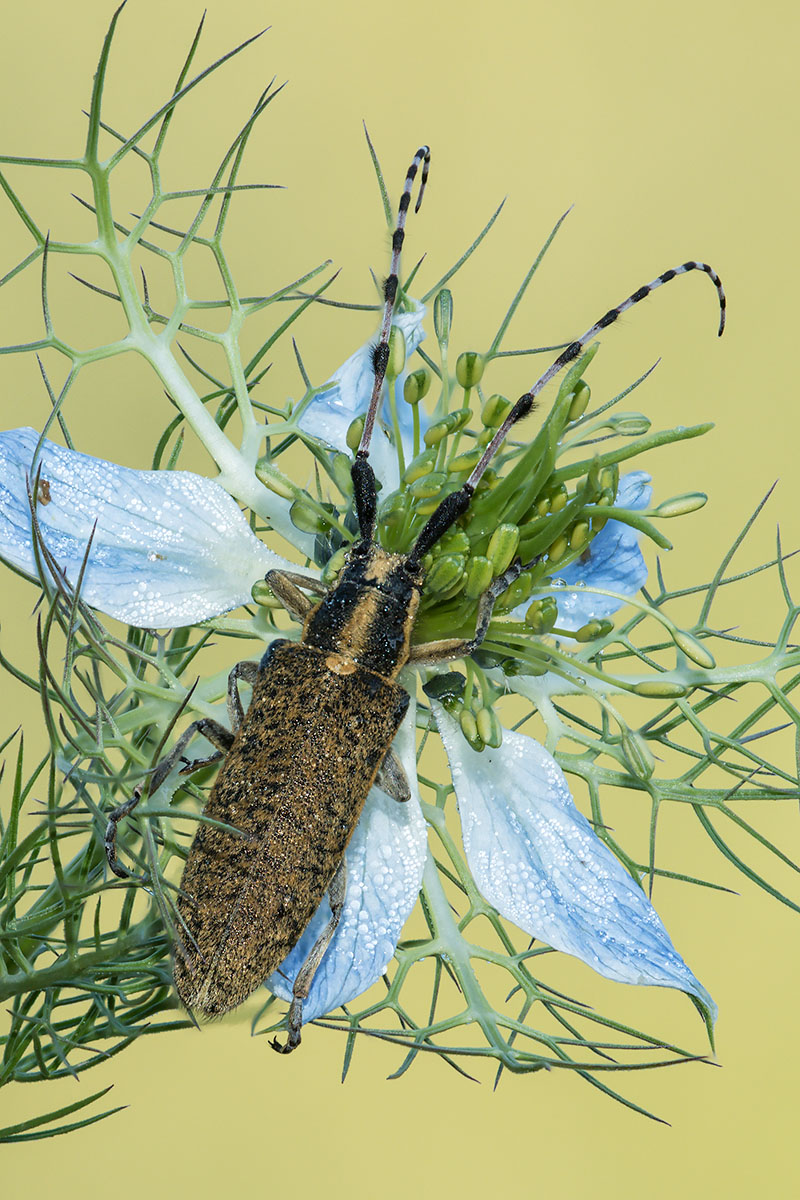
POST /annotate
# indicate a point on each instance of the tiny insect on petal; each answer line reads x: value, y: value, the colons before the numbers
x: 168, y: 548
x: 536, y: 858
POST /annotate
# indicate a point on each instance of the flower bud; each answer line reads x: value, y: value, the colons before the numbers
x: 306, y: 518
x: 479, y: 576
x: 693, y: 649
x: 340, y: 470
x: 485, y: 436
x: 580, y: 401
x: 416, y: 386
x: 579, y: 536
x: 393, y: 510
x: 637, y: 754
x: 559, y: 501
x: 274, y: 479
x: 659, y: 689
x: 263, y: 595
x: 333, y: 566
x: 558, y: 549
x: 488, y: 727
x: 448, y: 689
x: 469, y: 728
x: 609, y: 480
x: 449, y: 424
x: 678, y: 506
x: 455, y: 541
x: 428, y: 485
x: 443, y: 315
x: 464, y: 462
x: 516, y: 593
x: 495, y: 411
x: 469, y: 368
x: 629, y: 424
x: 354, y: 432
x: 542, y: 615
x: 419, y: 466
x: 397, y: 353
x: 502, y: 547
x: 446, y: 571
x: 593, y: 629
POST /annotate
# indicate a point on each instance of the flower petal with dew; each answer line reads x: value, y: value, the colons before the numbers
x: 332, y: 411
x: 385, y: 859
x: 536, y: 858
x: 613, y: 562
x: 168, y: 548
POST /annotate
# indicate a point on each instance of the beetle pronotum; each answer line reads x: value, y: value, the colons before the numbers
x: 319, y: 728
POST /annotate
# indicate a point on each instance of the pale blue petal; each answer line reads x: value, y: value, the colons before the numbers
x: 385, y: 860
x: 169, y: 547
x: 332, y: 411
x: 535, y: 857
x: 613, y: 562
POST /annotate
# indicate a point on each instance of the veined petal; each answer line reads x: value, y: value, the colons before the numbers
x: 613, y: 562
x: 385, y: 860
x: 535, y: 857
x: 168, y: 548
x: 332, y: 411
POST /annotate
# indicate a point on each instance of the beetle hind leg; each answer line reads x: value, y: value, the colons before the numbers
x: 305, y: 976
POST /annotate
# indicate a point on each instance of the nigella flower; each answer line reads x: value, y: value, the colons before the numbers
x: 172, y: 548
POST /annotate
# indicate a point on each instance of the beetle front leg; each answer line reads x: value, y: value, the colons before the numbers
x: 428, y: 653
x: 305, y: 976
x: 286, y: 586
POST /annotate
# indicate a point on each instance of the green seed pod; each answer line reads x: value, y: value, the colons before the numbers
x: 354, y: 432
x: 455, y: 541
x: 333, y: 566
x: 392, y: 512
x: 469, y: 728
x: 424, y: 508
x: 397, y: 353
x: 489, y: 728
x: 593, y: 629
x: 637, y: 754
x: 609, y: 480
x: 274, y: 479
x: 659, y: 690
x: 306, y: 518
x: 542, y: 615
x: 542, y: 507
x: 464, y: 462
x: 502, y: 547
x: 580, y: 401
x: 449, y: 424
x: 263, y: 595
x: 443, y: 316
x: 629, y: 424
x: 693, y: 649
x: 495, y: 411
x: 678, y: 506
x: 599, y: 523
x: 469, y: 368
x: 485, y: 436
x: 579, y: 536
x: 428, y: 485
x: 479, y: 576
x: 559, y: 501
x: 416, y: 385
x: 446, y: 571
x: 558, y: 549
x: 340, y: 470
x: 419, y: 466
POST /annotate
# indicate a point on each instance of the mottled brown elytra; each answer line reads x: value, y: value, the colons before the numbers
x: 318, y: 732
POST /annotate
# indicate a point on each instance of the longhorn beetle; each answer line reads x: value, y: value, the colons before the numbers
x: 319, y: 728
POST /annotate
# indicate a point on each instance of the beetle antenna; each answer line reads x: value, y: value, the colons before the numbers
x: 364, y: 490
x: 457, y: 503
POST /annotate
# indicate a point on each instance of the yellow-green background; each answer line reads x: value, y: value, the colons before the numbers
x: 671, y: 128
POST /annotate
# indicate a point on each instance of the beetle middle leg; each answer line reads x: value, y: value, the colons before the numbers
x: 428, y: 653
x: 210, y: 729
x: 305, y: 976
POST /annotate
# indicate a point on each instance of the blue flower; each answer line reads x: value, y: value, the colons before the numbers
x: 172, y: 548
